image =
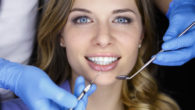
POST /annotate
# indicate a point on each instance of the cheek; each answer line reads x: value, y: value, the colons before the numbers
x: 129, y: 41
x: 73, y: 47
x: 76, y: 44
x: 131, y: 59
x: 71, y: 51
x: 128, y: 34
x: 130, y: 52
x: 75, y: 58
x: 77, y: 35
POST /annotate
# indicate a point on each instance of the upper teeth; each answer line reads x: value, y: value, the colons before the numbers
x: 102, y: 60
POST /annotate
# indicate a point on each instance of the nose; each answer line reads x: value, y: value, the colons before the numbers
x: 103, y: 36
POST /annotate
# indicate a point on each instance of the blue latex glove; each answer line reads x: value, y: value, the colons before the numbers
x: 34, y: 87
x: 78, y: 89
x: 181, y: 14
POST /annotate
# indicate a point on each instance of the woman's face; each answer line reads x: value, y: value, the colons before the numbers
x: 102, y: 35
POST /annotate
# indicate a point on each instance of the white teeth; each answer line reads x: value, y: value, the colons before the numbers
x: 102, y: 60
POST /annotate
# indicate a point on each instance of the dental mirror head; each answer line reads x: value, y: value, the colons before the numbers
x: 122, y: 77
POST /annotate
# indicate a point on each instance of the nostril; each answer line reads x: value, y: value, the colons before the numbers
x: 103, y: 44
x: 103, y: 39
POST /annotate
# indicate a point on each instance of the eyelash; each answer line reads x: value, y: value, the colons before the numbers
x: 77, y: 20
x: 126, y: 20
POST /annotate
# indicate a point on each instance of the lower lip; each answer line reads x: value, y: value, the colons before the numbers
x: 103, y: 68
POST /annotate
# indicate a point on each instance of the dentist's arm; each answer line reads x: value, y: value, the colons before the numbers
x: 181, y: 13
x: 34, y: 87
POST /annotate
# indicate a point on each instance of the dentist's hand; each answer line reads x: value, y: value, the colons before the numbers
x: 34, y: 87
x: 78, y: 89
x: 181, y: 14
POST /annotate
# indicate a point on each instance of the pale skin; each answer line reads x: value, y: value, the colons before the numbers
x: 103, y: 27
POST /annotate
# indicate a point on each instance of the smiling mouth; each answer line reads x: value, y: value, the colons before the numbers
x: 103, y: 61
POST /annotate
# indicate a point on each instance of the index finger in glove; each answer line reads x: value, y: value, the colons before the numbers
x: 82, y: 104
x: 80, y: 86
x: 179, y: 20
x: 187, y: 40
x: 57, y: 94
x: 174, y: 58
x: 176, y: 26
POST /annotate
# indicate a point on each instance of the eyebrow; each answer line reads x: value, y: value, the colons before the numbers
x: 80, y: 9
x: 123, y: 11
x: 114, y: 12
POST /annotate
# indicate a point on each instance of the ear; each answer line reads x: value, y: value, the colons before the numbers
x: 62, y: 41
x: 141, y: 37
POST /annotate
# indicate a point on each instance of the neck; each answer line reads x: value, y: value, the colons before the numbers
x: 106, y: 98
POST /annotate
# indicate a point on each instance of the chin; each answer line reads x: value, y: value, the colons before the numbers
x: 106, y: 80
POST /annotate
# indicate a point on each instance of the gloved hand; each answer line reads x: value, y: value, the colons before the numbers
x: 34, y: 87
x: 181, y: 14
x: 78, y: 89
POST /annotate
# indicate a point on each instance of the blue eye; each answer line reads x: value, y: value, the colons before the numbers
x: 81, y: 20
x: 122, y: 20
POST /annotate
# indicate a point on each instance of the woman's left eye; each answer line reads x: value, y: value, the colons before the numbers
x: 122, y: 20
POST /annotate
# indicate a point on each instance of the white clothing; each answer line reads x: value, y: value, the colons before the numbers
x: 17, y: 30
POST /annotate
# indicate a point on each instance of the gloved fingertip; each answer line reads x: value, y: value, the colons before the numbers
x: 166, y: 38
x: 168, y: 45
x: 165, y: 46
x: 159, y: 58
x: 155, y: 62
x: 92, y: 89
x: 79, y: 85
x: 80, y: 78
x: 158, y: 62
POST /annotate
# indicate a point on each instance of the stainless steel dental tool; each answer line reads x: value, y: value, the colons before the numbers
x: 125, y: 77
x: 87, y: 88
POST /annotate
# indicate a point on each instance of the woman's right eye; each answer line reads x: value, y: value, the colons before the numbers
x: 81, y: 20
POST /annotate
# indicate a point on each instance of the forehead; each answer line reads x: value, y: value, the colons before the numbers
x: 105, y: 5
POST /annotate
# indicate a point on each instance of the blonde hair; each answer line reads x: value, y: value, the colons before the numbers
x: 140, y: 93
